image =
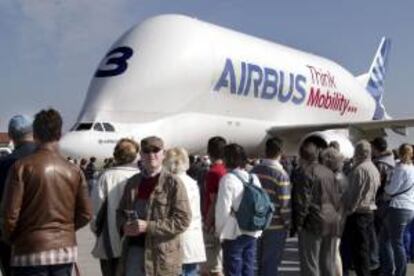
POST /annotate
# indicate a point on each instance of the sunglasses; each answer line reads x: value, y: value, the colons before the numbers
x: 150, y: 150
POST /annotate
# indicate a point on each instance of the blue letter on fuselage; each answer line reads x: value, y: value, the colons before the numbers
x: 253, y: 68
x: 299, y: 84
x: 242, y: 78
x: 282, y: 97
x: 269, y: 83
x: 227, y: 72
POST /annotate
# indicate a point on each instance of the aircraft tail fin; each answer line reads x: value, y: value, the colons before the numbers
x: 376, y: 77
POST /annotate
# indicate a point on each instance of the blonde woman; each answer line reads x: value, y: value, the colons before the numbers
x: 334, y: 160
x: 177, y: 162
x: 399, y: 214
x: 106, y: 195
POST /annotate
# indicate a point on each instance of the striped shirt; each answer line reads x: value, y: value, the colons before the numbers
x: 275, y: 181
x: 57, y: 256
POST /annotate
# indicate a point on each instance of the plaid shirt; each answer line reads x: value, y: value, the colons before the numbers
x: 64, y: 255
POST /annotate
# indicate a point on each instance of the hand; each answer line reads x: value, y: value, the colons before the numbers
x: 142, y: 226
x: 131, y: 228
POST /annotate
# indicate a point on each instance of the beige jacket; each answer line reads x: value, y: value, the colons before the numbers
x: 364, y: 181
x: 169, y: 215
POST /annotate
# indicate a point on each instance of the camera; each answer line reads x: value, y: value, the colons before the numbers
x: 131, y: 215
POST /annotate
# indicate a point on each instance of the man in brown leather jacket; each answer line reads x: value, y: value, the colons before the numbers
x: 46, y: 201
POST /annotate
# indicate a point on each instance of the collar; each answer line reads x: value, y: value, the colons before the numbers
x: 272, y: 163
x: 128, y: 166
x: 51, y: 146
x: 147, y: 175
x: 23, y: 144
x: 383, y: 154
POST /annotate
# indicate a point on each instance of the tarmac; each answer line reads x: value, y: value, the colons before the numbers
x: 89, y: 266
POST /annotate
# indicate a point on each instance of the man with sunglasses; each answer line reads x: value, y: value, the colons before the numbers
x: 153, y: 211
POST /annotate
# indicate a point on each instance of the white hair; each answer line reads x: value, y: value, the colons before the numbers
x: 176, y: 160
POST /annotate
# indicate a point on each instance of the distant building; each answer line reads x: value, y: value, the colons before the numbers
x: 4, y: 139
x: 4, y: 144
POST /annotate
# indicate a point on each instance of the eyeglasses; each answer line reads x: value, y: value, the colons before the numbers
x: 151, y: 150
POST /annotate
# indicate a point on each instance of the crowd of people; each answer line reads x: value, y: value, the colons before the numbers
x: 159, y: 211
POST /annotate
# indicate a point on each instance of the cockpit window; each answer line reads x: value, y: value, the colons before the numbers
x: 84, y: 126
x: 95, y: 126
x: 108, y: 127
x: 98, y: 127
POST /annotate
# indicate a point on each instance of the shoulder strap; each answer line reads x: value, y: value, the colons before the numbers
x: 233, y: 210
x: 402, y: 192
x: 242, y: 180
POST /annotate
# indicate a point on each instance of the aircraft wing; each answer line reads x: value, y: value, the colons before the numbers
x: 363, y: 129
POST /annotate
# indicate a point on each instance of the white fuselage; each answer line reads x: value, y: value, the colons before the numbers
x: 186, y: 80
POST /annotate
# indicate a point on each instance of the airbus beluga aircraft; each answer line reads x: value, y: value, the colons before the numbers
x: 186, y: 80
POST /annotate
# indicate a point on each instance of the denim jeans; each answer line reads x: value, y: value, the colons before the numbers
x: 270, y: 250
x: 409, y: 241
x: 190, y: 269
x: 239, y: 256
x: 392, y: 253
x: 135, y: 261
x: 44, y: 270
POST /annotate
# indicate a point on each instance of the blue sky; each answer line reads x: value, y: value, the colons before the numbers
x: 51, y: 48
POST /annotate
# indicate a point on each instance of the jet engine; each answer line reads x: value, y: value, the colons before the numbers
x: 324, y: 138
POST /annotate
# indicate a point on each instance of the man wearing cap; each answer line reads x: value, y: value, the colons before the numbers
x: 364, y: 181
x: 20, y: 132
x: 45, y: 202
x: 153, y: 211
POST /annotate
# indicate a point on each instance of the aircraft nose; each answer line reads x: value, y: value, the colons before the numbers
x: 67, y: 145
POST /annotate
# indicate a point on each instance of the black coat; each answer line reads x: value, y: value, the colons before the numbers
x: 7, y: 162
x: 317, y: 200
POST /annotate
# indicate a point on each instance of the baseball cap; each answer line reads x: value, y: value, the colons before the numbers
x: 19, y: 125
x: 152, y: 142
